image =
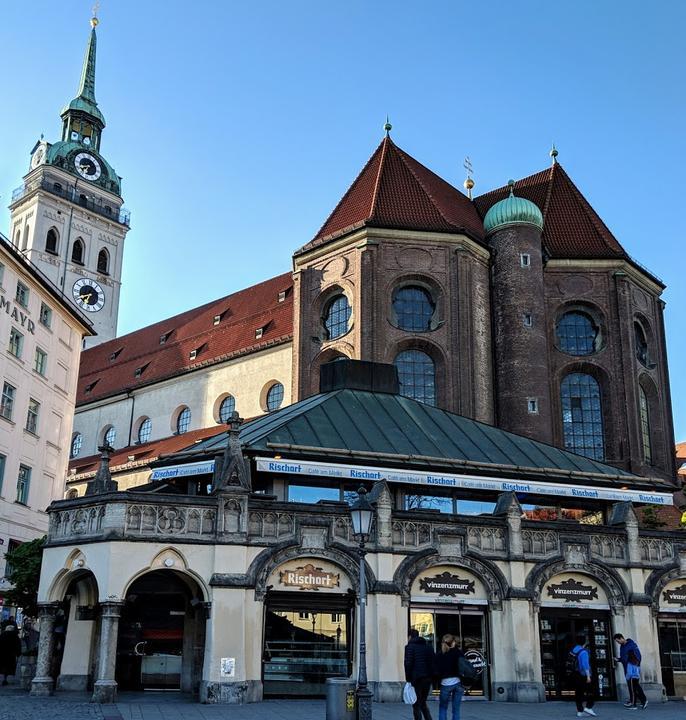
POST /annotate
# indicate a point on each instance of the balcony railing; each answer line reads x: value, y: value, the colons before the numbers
x: 121, y: 215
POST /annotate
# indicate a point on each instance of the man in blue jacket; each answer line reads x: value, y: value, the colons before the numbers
x: 630, y: 657
x: 582, y: 678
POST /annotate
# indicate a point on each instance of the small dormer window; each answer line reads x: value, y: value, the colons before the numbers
x: 532, y: 406
x: 528, y: 320
x: 259, y: 332
x: 525, y: 260
x: 282, y: 296
x: 140, y: 370
x: 193, y: 354
x: 90, y: 386
x: 115, y: 354
x: 165, y: 336
x: 217, y: 319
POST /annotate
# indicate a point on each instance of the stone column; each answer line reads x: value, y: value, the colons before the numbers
x: 42, y: 683
x: 105, y: 690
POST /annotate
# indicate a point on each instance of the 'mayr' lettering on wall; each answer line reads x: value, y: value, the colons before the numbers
x: 17, y: 315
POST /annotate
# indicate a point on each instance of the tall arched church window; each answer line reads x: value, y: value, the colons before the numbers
x: 110, y: 436
x: 144, y: 430
x: 414, y: 308
x: 274, y: 397
x: 78, y: 251
x: 51, y: 241
x: 76, y: 442
x: 417, y: 375
x: 645, y: 425
x: 103, y: 261
x: 183, y: 421
x: 25, y: 241
x: 337, y: 316
x: 226, y: 408
x: 642, y: 354
x: 577, y: 333
x: 582, y: 416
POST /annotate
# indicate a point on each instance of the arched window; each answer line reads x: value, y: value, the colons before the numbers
x: 72, y: 494
x: 51, y: 241
x: 17, y: 238
x: 144, y: 430
x: 57, y: 188
x: 227, y: 406
x: 110, y: 436
x: 25, y: 241
x: 582, y: 415
x: 76, y: 442
x: 577, y: 333
x: 645, y: 425
x: 642, y: 354
x: 336, y: 317
x: 417, y: 375
x: 183, y: 421
x: 414, y: 308
x: 78, y: 251
x: 103, y: 261
x: 83, y: 199
x: 274, y: 397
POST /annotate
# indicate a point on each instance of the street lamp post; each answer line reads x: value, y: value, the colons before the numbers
x: 362, y: 516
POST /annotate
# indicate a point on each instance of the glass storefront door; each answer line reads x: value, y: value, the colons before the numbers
x: 672, y: 635
x: 306, y: 641
x: 469, y: 625
x: 558, y: 629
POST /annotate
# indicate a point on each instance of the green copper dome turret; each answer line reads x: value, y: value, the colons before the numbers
x: 512, y: 211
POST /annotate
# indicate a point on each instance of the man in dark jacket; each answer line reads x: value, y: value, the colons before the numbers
x: 10, y: 647
x: 419, y: 663
x: 630, y: 657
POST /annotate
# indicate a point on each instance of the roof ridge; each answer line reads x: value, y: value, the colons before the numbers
x: 401, y: 154
x: 377, y: 182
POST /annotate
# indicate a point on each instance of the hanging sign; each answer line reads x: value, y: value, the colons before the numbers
x: 198, y: 468
x: 572, y: 590
x: 447, y: 584
x: 675, y: 596
x: 467, y: 482
x: 309, y: 577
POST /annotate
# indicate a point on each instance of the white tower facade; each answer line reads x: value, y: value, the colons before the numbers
x: 67, y: 217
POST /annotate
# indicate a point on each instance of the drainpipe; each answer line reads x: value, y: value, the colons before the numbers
x: 133, y: 405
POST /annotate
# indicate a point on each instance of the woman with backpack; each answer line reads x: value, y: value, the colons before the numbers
x: 447, y: 666
x: 581, y: 677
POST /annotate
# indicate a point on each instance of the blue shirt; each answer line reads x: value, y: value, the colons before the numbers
x: 583, y: 660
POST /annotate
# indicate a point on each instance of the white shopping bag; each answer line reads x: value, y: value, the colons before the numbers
x: 409, y: 695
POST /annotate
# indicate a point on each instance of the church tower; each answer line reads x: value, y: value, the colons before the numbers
x: 67, y: 217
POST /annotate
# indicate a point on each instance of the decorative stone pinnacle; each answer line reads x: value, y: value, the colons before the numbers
x: 102, y: 482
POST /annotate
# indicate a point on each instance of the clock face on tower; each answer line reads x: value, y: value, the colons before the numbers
x: 88, y: 295
x: 87, y: 166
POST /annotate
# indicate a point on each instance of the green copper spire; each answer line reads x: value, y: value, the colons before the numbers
x: 85, y: 99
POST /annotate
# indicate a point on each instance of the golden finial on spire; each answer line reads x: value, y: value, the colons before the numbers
x: 469, y: 182
x: 94, y: 19
x: 388, y: 127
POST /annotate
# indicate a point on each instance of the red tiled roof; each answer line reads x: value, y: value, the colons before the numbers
x: 145, y: 453
x: 395, y: 191
x: 140, y: 359
x: 572, y: 228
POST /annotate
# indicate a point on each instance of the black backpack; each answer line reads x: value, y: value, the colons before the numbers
x: 466, y: 671
x: 572, y: 662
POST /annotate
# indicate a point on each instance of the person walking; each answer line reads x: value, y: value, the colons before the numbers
x: 447, y: 671
x: 10, y: 649
x: 582, y: 678
x: 419, y: 663
x: 630, y: 657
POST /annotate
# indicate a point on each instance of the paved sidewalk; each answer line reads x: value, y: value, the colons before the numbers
x: 17, y: 705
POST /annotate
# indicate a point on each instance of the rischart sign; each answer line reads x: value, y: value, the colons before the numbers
x: 675, y: 596
x: 447, y: 584
x: 572, y: 591
x: 309, y: 577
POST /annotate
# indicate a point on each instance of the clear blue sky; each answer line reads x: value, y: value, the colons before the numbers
x: 238, y: 126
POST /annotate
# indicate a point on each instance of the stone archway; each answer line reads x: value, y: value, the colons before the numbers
x: 161, y: 634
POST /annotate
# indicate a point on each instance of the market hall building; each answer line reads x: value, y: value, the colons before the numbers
x: 233, y: 573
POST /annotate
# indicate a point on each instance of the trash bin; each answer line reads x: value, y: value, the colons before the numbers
x: 340, y: 699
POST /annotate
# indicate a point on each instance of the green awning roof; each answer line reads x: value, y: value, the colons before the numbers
x: 397, y: 431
